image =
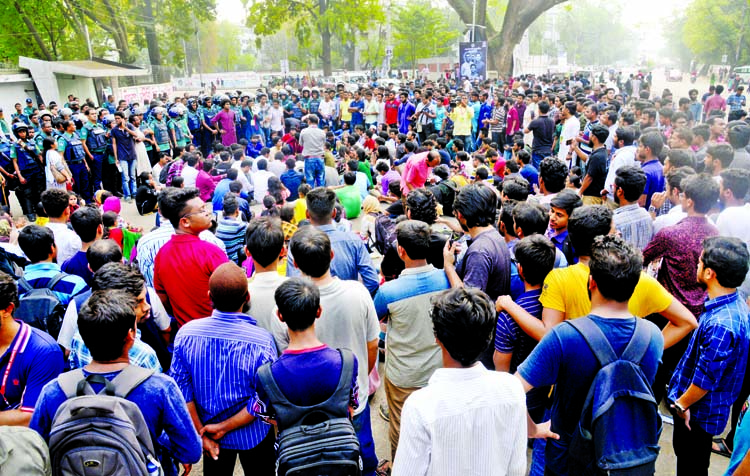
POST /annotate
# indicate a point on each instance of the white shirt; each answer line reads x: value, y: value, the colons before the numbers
x: 53, y: 160
x: 672, y: 217
x: 189, y: 174
x: 262, y: 287
x: 277, y: 118
x: 465, y: 422
x: 326, y: 109
x: 381, y: 112
x: 735, y: 222
x: 623, y: 156
x: 242, y: 177
x: 66, y: 242
x: 570, y: 131
x: 260, y: 180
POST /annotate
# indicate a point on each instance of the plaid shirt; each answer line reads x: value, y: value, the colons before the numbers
x: 715, y: 360
x: 141, y: 354
x: 736, y: 102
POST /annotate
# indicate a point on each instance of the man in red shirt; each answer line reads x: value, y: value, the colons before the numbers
x: 185, y: 263
x: 417, y: 170
x: 715, y: 102
x: 391, y: 110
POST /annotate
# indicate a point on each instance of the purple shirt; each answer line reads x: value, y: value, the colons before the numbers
x: 680, y: 247
x: 715, y: 102
x: 226, y: 122
x: 654, y: 179
x: 389, y: 177
x: 486, y: 264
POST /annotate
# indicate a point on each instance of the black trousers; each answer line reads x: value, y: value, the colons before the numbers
x: 692, y: 448
x: 258, y: 461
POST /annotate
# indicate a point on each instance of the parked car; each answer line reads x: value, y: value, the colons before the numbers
x: 674, y: 75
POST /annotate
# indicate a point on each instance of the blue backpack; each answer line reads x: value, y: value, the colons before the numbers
x: 620, y: 424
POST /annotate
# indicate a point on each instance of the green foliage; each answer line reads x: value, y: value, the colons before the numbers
x: 422, y: 31
x: 224, y: 48
x: 713, y: 28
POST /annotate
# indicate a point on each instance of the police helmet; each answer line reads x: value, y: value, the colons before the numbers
x: 20, y: 126
x: 66, y: 112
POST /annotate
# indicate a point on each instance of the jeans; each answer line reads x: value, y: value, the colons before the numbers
x: 537, y: 157
x: 467, y: 142
x: 315, y: 171
x: 260, y: 461
x: 81, y: 180
x: 127, y: 168
x: 363, y: 427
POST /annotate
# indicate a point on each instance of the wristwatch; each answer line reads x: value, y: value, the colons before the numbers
x: 679, y: 407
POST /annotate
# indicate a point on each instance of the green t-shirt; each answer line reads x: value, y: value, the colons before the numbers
x: 350, y: 200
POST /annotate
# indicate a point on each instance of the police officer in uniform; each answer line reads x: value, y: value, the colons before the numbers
x: 194, y: 120
x: 8, y: 179
x: 29, y: 169
x: 208, y: 112
x: 177, y: 127
x: 161, y: 130
x: 71, y: 147
x: 94, y: 139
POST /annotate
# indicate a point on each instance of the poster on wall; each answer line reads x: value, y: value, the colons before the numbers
x: 473, y: 60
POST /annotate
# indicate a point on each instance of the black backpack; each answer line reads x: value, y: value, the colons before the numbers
x: 620, y: 424
x: 40, y: 307
x: 319, y: 439
x: 385, y: 233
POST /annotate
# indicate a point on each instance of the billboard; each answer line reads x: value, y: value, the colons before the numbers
x: 473, y: 60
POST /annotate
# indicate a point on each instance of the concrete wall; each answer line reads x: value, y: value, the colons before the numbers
x: 13, y: 89
x: 82, y: 88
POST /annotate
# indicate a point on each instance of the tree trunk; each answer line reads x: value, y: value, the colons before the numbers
x: 32, y: 29
x: 519, y: 15
x: 152, y: 42
x: 325, y: 37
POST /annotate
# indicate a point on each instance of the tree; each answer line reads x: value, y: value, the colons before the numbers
x: 714, y: 28
x: 322, y: 18
x: 518, y: 16
x: 429, y: 24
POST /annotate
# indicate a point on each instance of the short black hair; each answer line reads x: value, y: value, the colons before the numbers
x: 414, y: 237
x: 566, y: 200
x: 702, y: 130
x: 739, y: 136
x: 530, y: 218
x: 230, y: 204
x: 536, y: 255
x: 264, y: 239
x: 625, y: 134
x: 102, y: 252
x: 311, y: 251
x: 464, y: 321
x: 320, y: 202
x: 737, y: 181
x: 350, y: 178
x: 298, y: 300
x: 585, y: 224
x: 36, y: 242
x: 681, y: 158
x: 85, y: 222
x: 516, y: 188
x: 173, y: 201
x: 632, y: 180
x: 55, y: 201
x: 728, y: 258
x: 8, y: 291
x: 422, y: 205
x: 702, y: 190
x: 721, y: 152
x: 104, y: 321
x: 615, y: 267
x: 118, y: 276
x: 553, y: 171
x: 477, y: 204
x: 653, y: 141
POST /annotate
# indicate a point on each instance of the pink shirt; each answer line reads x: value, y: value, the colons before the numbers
x: 182, y: 269
x: 205, y: 184
x: 512, y: 122
x: 715, y: 102
x: 416, y: 172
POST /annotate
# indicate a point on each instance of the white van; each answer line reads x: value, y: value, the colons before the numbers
x: 743, y: 72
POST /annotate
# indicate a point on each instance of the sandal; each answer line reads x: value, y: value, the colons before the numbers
x: 720, y: 447
x: 384, y: 468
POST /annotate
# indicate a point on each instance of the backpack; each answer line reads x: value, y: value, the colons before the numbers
x: 98, y: 434
x: 11, y: 264
x: 23, y: 452
x: 164, y: 172
x: 620, y: 424
x: 40, y: 307
x: 318, y: 439
x: 385, y: 233
x: 445, y: 194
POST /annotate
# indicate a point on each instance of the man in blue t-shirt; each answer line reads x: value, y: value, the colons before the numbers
x: 107, y: 323
x: 29, y: 358
x: 564, y: 359
x: 87, y: 223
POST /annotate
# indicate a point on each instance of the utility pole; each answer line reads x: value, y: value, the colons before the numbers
x: 745, y: 4
x: 473, y: 21
x: 198, y: 48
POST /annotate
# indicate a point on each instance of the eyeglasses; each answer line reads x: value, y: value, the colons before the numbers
x: 202, y: 211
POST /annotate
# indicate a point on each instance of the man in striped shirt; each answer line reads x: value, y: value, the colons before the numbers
x: 214, y: 363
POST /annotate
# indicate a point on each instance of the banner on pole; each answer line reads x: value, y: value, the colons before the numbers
x: 473, y: 59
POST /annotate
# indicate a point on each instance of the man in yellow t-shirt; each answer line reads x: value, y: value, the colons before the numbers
x: 565, y: 293
x: 346, y: 115
x: 461, y: 116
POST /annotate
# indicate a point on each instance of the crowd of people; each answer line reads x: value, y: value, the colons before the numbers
x: 539, y: 262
